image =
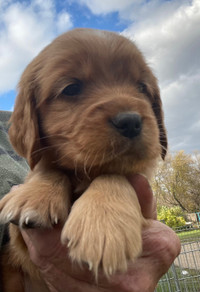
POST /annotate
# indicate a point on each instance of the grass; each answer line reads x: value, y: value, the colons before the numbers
x: 189, y: 235
x: 174, y: 280
x: 181, y: 279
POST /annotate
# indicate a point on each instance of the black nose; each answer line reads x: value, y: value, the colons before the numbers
x: 128, y: 124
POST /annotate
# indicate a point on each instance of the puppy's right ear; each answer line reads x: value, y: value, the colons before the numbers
x: 157, y: 108
x: 24, y: 128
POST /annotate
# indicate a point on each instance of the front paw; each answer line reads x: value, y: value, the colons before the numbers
x: 31, y: 207
x: 103, y: 235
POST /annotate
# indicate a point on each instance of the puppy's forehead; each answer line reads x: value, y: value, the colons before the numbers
x: 92, y: 56
x: 97, y: 42
x: 95, y: 47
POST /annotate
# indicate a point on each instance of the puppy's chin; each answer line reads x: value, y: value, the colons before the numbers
x: 119, y: 158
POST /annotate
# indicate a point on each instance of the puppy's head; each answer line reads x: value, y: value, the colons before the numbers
x: 89, y: 101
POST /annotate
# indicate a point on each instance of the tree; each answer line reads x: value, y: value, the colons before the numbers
x: 173, y: 217
x: 177, y: 181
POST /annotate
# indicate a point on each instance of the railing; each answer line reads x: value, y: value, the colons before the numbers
x: 184, y: 274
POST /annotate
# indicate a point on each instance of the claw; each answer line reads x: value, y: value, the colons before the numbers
x: 9, y: 216
x: 110, y: 270
x: 90, y: 266
x: 27, y: 220
x: 56, y: 220
x: 69, y: 243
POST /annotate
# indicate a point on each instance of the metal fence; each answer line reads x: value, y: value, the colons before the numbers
x: 184, y: 274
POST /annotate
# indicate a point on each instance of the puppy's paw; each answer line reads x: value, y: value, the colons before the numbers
x: 38, y: 206
x: 105, y: 236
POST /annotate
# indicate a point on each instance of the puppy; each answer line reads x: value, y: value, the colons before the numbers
x: 88, y: 113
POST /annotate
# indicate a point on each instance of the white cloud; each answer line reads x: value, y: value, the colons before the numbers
x: 26, y: 27
x: 107, y: 6
x: 182, y: 103
x: 64, y: 22
x: 170, y: 41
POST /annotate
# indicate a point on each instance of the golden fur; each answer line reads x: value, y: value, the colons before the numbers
x: 77, y: 157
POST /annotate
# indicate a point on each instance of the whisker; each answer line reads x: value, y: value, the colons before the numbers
x: 76, y: 167
x: 65, y: 155
x: 85, y: 164
x: 62, y: 157
x: 44, y: 148
x: 55, y: 135
x: 93, y: 162
x: 51, y: 136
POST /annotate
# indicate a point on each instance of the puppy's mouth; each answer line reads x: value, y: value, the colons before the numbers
x: 102, y: 140
x: 122, y: 143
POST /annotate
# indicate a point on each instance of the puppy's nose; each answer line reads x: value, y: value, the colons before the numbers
x: 128, y: 124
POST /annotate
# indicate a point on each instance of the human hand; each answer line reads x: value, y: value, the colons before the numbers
x: 160, y: 247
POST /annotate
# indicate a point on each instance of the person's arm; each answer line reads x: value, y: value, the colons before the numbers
x: 160, y: 248
x: 13, y: 168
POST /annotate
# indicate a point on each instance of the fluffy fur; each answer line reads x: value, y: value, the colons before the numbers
x: 78, y: 157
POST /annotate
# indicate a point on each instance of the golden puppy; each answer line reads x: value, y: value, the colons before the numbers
x: 88, y: 113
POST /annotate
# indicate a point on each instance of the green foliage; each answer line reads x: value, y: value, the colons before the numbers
x: 173, y: 217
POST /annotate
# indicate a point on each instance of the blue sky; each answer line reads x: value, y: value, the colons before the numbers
x: 167, y: 32
x: 81, y: 17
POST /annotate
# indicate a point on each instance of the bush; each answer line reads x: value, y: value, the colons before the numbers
x: 173, y: 217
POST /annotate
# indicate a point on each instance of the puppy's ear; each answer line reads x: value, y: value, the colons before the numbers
x: 24, y: 129
x: 157, y: 108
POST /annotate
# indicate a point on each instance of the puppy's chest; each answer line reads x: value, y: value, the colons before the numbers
x: 79, y: 186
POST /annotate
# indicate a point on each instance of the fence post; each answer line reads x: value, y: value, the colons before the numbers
x: 176, y: 280
x: 198, y: 216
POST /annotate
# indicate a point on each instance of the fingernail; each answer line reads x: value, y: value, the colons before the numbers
x: 144, y: 175
x: 14, y: 187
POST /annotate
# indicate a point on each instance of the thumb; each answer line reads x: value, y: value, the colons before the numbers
x: 145, y: 195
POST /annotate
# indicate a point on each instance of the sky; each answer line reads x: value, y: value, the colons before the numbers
x: 166, y: 31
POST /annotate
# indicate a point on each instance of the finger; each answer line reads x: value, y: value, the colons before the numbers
x: 145, y: 195
x: 46, y: 250
x: 44, y: 241
x: 14, y: 187
x: 160, y: 247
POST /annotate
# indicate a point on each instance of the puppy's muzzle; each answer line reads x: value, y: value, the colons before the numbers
x: 128, y: 124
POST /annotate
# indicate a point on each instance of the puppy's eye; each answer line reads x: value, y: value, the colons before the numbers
x: 142, y: 87
x: 72, y: 89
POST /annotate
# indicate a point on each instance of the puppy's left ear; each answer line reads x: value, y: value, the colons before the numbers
x: 157, y: 108
x: 24, y: 130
